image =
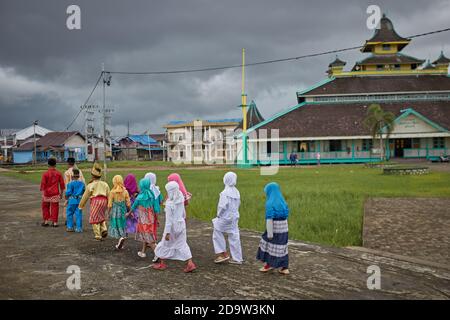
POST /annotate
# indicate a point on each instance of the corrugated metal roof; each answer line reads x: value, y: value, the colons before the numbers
x: 55, y: 139
x: 28, y: 132
x: 25, y: 147
x: 143, y: 139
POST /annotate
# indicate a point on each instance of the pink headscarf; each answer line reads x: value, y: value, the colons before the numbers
x: 176, y: 177
x: 131, y: 184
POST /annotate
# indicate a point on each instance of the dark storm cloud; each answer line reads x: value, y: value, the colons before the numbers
x: 48, y: 70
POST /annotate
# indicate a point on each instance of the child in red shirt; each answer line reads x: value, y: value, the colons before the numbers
x: 52, y: 188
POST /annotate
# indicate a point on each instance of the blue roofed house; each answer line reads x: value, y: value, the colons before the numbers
x: 138, y: 147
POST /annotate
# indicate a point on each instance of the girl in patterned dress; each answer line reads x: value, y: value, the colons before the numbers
x: 118, y: 206
x: 273, y: 247
x: 147, y: 222
x: 156, y: 192
x: 130, y: 184
x: 97, y: 193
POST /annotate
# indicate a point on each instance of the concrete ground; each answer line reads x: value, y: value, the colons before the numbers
x: 34, y: 260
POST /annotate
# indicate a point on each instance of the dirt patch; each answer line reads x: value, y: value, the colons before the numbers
x: 415, y: 227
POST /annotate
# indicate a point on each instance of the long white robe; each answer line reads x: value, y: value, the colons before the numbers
x: 176, y: 248
x: 227, y: 220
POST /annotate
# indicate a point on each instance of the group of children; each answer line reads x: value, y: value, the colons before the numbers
x: 134, y: 208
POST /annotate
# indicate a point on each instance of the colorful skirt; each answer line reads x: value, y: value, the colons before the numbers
x: 132, y: 221
x: 117, y: 223
x: 147, y: 227
x: 99, y: 206
x: 275, y: 252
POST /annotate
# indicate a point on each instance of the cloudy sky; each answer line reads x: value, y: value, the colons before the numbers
x: 47, y: 71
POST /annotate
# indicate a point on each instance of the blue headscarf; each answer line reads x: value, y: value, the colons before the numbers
x: 146, y: 197
x: 276, y: 206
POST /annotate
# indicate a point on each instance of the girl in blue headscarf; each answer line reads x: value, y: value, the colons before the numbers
x: 144, y: 204
x: 273, y: 247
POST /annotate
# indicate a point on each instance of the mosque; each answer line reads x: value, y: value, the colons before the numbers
x: 329, y: 116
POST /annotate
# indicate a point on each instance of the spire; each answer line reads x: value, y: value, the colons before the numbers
x: 428, y: 66
x: 442, y: 59
x: 337, y: 63
x: 336, y: 67
x: 253, y: 116
x: 385, y: 34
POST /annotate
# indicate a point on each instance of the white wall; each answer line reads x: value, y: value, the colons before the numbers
x: 75, y: 141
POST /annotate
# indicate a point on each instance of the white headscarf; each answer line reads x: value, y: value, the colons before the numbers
x: 230, y: 179
x: 155, y: 189
x: 174, y: 195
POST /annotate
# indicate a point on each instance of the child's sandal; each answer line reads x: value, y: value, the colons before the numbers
x: 284, y: 271
x: 159, y: 266
x: 221, y: 259
x: 265, y: 268
x: 190, y: 267
x: 119, y: 245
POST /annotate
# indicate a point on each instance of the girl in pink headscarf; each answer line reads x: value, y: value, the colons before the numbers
x: 187, y: 195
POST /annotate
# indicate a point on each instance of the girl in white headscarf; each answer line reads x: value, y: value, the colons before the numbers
x: 174, y: 242
x: 156, y: 192
x: 227, y: 222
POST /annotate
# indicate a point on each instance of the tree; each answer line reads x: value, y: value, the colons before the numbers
x: 377, y: 121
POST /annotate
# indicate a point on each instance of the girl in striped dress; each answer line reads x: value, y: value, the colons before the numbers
x: 97, y: 193
x: 118, y: 206
x: 273, y: 247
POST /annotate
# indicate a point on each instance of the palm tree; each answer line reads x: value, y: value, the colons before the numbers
x: 377, y: 120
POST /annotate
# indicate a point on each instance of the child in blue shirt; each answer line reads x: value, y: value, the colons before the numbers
x: 74, y: 193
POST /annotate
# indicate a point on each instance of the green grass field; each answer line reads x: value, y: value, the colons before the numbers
x: 113, y: 164
x: 326, y: 203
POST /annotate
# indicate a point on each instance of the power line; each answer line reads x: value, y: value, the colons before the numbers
x: 428, y: 33
x: 234, y: 66
x: 260, y: 62
x: 85, y: 103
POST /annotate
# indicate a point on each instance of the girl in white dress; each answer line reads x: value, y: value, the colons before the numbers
x: 174, y: 242
x: 227, y: 222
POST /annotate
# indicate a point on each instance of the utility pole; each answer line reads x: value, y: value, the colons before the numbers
x: 86, y: 134
x: 89, y: 127
x: 106, y: 114
x: 104, y: 123
x: 106, y: 81
x: 128, y: 137
x: 5, y: 153
x: 34, y: 139
x: 149, y: 150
